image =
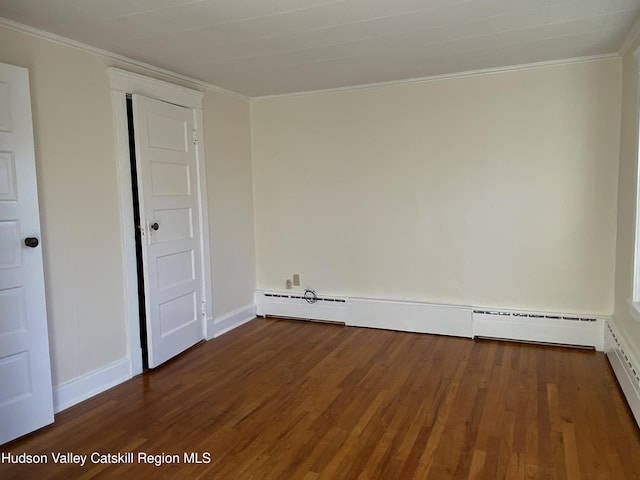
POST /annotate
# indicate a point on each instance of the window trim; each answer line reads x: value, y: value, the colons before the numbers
x: 634, y: 303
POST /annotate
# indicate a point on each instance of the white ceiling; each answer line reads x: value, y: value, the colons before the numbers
x: 265, y: 47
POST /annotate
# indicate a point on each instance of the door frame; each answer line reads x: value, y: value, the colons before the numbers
x: 124, y: 83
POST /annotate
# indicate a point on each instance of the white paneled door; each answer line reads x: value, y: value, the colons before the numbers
x: 169, y: 221
x: 26, y: 401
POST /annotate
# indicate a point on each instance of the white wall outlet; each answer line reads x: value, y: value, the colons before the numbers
x: 288, y: 284
x: 296, y: 279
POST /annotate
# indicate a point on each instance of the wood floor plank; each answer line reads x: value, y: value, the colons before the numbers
x: 283, y: 399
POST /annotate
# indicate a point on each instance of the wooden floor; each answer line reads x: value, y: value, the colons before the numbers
x: 283, y: 399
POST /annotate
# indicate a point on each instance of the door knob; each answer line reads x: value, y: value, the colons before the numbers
x: 31, y: 242
x: 155, y: 226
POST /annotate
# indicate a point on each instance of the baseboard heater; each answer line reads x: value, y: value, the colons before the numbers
x: 462, y: 321
x: 326, y: 309
x: 544, y: 328
x: 625, y: 368
x: 371, y: 313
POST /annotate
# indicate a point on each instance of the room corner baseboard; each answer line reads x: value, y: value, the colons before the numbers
x: 231, y: 320
x: 624, y: 367
x: 92, y: 383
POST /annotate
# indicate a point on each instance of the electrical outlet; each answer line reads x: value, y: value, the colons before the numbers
x: 296, y: 279
x: 288, y: 284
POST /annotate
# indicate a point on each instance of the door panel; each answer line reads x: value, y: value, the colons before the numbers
x: 178, y: 224
x: 6, y: 125
x: 26, y: 401
x: 175, y: 269
x: 10, y: 256
x: 167, y: 133
x: 12, y: 311
x: 8, y: 188
x: 170, y: 179
x: 169, y: 210
x: 176, y: 313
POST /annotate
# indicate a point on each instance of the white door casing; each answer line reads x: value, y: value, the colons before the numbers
x: 169, y: 222
x: 124, y: 83
x: 26, y: 398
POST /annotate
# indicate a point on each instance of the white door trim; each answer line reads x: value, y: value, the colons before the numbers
x: 123, y: 83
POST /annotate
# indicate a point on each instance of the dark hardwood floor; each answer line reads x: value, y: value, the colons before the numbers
x: 282, y: 399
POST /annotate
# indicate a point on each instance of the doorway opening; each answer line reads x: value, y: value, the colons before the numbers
x: 138, y: 235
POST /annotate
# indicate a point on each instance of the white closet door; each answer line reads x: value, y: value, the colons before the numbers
x: 26, y: 400
x: 169, y: 216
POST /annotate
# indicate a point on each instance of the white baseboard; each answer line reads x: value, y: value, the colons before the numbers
x: 233, y: 319
x: 136, y: 361
x: 625, y: 368
x: 209, y: 329
x: 542, y: 328
x: 85, y: 386
x: 462, y: 321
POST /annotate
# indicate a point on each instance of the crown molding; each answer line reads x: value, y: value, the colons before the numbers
x: 630, y: 39
x: 121, y: 60
x: 446, y: 76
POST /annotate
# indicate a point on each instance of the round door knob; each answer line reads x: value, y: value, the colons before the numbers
x: 31, y: 242
x: 155, y: 226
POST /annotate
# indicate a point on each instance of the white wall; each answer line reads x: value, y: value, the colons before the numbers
x: 77, y: 175
x: 230, y: 192
x: 495, y: 189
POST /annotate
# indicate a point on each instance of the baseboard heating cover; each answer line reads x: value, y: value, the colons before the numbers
x: 562, y: 329
x: 625, y: 368
x: 331, y: 309
x: 461, y: 321
x: 363, y: 312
